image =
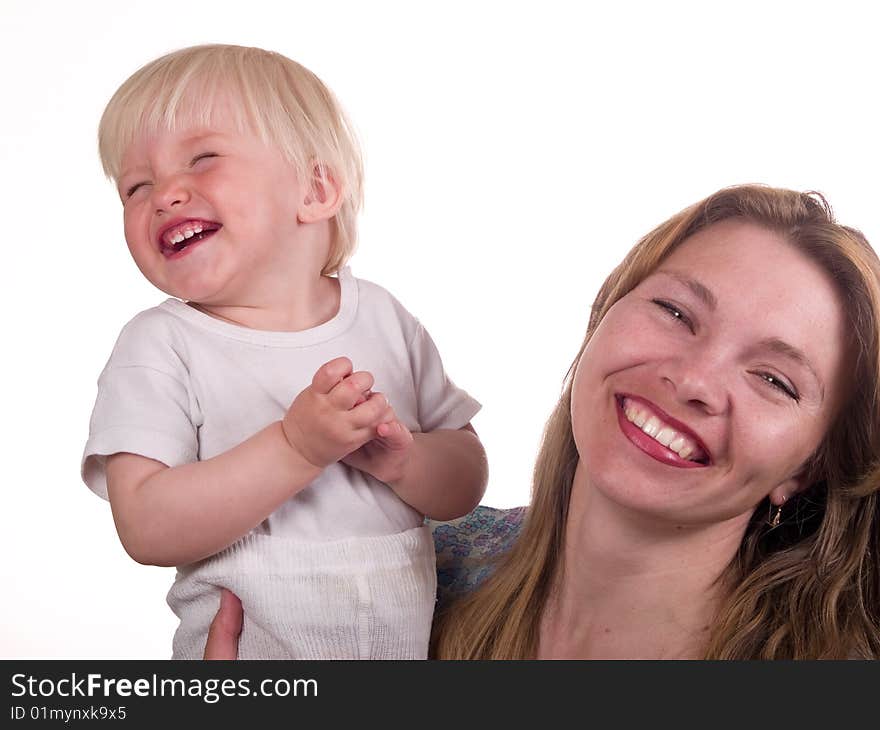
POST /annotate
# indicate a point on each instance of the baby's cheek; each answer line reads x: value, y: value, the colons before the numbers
x: 133, y: 229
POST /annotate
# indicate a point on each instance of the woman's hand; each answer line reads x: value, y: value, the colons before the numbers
x: 225, y: 628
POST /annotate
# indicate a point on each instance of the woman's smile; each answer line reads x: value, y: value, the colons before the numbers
x: 659, y: 435
x: 699, y: 376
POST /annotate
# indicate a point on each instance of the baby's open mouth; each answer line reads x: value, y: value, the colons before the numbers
x: 178, y: 237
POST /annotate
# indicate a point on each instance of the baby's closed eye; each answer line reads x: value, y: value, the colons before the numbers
x: 202, y: 156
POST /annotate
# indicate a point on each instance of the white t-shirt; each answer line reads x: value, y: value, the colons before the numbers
x: 182, y: 386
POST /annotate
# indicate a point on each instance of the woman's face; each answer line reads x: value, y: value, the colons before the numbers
x: 708, y: 387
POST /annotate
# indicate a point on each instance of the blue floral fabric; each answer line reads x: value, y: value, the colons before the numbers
x: 467, y: 548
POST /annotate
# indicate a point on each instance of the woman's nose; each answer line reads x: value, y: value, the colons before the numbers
x: 169, y: 194
x: 697, y: 379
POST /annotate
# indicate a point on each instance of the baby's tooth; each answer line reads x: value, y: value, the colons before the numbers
x: 188, y: 233
x: 197, y: 229
x: 177, y: 238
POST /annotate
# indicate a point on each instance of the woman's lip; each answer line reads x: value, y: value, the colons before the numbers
x: 666, y: 418
x: 649, y: 445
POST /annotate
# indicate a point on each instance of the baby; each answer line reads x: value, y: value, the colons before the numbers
x: 232, y: 432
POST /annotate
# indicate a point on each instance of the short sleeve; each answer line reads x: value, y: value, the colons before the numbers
x: 441, y: 404
x: 143, y: 409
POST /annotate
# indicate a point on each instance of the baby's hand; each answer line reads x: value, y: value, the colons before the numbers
x: 335, y: 415
x: 385, y: 456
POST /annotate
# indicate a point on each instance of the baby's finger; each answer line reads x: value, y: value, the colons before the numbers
x: 330, y: 374
x: 370, y: 412
x: 389, y: 415
x: 351, y: 390
x: 362, y: 397
x: 394, y: 434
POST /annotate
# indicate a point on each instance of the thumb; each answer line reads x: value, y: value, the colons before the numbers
x: 225, y: 629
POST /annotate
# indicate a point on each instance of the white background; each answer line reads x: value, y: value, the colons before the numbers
x: 514, y: 152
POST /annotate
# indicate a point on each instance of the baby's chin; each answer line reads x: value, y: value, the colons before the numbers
x: 201, y: 293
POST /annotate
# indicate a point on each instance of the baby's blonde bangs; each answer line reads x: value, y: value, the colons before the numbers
x: 280, y: 100
x: 160, y: 96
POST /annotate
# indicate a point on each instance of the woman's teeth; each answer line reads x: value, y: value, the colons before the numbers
x: 659, y: 431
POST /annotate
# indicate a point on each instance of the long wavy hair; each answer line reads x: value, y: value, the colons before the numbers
x: 806, y: 589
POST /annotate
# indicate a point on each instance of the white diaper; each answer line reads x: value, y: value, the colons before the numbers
x: 359, y: 598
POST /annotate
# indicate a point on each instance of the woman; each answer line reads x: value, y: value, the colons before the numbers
x: 707, y: 484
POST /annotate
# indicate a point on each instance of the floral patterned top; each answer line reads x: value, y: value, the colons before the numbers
x: 467, y: 548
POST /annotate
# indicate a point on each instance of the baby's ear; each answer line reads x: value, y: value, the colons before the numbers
x: 322, y: 198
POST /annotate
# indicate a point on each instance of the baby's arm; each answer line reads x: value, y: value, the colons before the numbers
x: 174, y: 516
x: 446, y: 473
x: 441, y: 473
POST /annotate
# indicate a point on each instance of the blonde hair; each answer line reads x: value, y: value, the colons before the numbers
x: 285, y: 103
x: 809, y: 588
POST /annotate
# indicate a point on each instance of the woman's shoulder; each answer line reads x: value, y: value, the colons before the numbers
x: 468, y: 546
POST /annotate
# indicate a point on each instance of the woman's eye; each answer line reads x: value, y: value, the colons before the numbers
x: 675, y: 312
x: 776, y: 382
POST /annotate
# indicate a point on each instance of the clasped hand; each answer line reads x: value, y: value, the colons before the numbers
x: 339, y: 418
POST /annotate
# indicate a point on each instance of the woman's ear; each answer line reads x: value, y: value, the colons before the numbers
x: 790, y: 487
x: 322, y: 198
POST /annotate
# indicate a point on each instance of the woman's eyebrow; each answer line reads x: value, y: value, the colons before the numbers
x: 700, y: 290
x: 781, y: 347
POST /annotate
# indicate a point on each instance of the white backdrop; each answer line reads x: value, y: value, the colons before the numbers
x: 514, y: 152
